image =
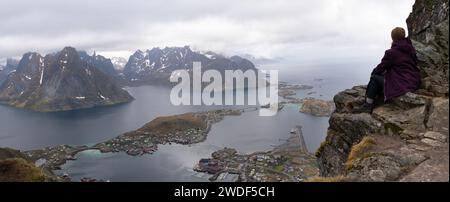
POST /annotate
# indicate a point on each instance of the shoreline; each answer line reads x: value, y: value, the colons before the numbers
x: 287, y: 162
x: 146, y: 139
x: 139, y: 142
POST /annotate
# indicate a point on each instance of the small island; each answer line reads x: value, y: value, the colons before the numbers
x: 317, y: 107
x: 189, y: 128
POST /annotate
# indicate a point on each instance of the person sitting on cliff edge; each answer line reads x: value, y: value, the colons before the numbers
x: 396, y: 75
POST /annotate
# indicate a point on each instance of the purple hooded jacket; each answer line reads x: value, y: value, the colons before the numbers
x: 399, y: 67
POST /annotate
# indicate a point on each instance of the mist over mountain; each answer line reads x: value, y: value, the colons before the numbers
x: 8, y: 68
x: 119, y: 63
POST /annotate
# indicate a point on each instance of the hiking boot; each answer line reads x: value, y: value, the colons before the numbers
x: 359, y: 102
x: 364, y: 108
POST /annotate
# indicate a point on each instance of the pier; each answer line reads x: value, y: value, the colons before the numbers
x: 296, y: 142
x: 302, y: 143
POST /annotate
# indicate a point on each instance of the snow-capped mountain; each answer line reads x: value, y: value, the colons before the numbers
x: 119, y: 63
x: 64, y: 80
x: 156, y: 65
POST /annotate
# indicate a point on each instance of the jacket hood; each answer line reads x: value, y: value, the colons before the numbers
x: 405, y: 46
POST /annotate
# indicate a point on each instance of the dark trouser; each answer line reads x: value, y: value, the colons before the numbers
x: 375, y: 87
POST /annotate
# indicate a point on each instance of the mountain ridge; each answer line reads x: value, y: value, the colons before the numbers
x: 154, y: 66
x: 58, y: 82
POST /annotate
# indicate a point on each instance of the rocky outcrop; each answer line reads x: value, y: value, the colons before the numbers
x: 17, y: 167
x: 317, y: 107
x: 392, y: 144
x: 58, y: 82
x: 406, y: 139
x: 428, y: 29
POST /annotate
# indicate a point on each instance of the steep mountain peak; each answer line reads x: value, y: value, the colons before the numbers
x: 61, y: 81
x: 236, y: 58
x: 174, y: 48
x: 100, y: 62
x: 68, y: 52
x: 30, y: 55
x: 156, y: 65
x: 139, y: 52
x: 69, y: 49
x: 30, y: 63
x: 68, y: 57
x: 153, y: 51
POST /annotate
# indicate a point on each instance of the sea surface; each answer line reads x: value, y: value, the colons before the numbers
x: 26, y: 130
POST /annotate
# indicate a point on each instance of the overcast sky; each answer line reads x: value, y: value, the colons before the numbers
x: 308, y: 30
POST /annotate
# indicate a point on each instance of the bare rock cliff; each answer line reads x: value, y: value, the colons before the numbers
x: 407, y: 139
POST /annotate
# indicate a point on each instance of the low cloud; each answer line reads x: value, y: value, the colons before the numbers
x: 305, y: 30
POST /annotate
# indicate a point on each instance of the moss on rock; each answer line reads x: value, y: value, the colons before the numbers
x: 322, y: 147
x: 359, y: 150
x: 20, y: 170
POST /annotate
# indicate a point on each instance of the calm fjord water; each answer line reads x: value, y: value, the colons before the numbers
x: 247, y: 133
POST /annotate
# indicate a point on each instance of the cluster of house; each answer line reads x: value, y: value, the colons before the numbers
x: 254, y: 167
x: 211, y: 166
x: 132, y: 145
x: 53, y: 157
x: 266, y: 160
